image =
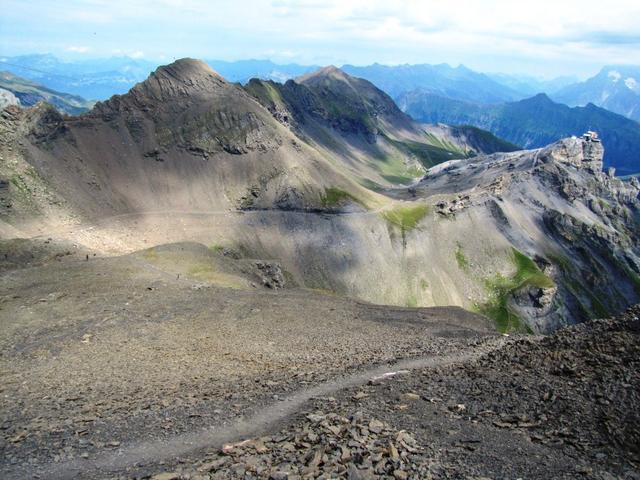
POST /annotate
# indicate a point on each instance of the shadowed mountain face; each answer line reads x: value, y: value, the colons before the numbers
x: 326, y: 176
x: 352, y: 118
x: 347, y: 104
x: 536, y: 122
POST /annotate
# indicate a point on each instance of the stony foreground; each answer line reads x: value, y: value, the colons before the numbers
x: 131, y: 367
x: 112, y: 362
x: 564, y: 406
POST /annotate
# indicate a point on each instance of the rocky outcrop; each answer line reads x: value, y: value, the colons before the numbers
x: 556, y: 206
x: 599, y: 269
x: 575, y: 152
x: 270, y: 274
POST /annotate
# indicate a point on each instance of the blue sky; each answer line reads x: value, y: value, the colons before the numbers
x: 539, y: 37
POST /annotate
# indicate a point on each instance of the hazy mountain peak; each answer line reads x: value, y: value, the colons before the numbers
x: 330, y: 71
x: 541, y: 98
x: 615, y: 87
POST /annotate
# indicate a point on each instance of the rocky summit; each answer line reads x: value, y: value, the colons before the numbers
x: 202, y: 279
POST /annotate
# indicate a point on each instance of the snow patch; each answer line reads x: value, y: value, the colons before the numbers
x: 632, y: 84
x: 615, y: 75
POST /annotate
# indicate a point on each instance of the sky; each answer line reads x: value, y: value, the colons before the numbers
x: 540, y: 37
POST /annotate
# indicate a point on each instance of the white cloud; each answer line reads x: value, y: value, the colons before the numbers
x: 137, y: 54
x: 78, y: 49
x: 550, y: 34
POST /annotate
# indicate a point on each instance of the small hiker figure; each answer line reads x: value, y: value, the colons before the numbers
x: 86, y: 259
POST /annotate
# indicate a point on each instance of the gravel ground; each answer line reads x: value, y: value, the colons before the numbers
x: 104, y: 354
x: 563, y: 406
x: 116, y: 368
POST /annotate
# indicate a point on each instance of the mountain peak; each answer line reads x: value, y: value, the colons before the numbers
x: 328, y: 72
x: 183, y: 78
x: 540, y: 99
x: 186, y: 69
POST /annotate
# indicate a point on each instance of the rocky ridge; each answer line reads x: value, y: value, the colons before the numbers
x: 590, y: 216
x: 187, y: 156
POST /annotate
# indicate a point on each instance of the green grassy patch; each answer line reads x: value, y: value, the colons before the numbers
x: 206, y: 272
x: 501, y: 289
x: 216, y: 248
x: 394, y: 169
x: 463, y: 263
x: 528, y: 272
x: 432, y: 152
x: 150, y: 254
x: 371, y: 185
x: 21, y: 185
x: 265, y: 91
x: 335, y: 197
x: 406, y: 218
x: 400, y: 179
x: 444, y: 144
x: 412, y: 302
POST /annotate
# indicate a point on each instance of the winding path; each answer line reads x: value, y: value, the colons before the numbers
x: 266, y: 420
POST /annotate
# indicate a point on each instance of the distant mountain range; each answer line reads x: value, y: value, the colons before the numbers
x: 244, y: 70
x: 500, y: 103
x: 529, y: 85
x: 535, y: 122
x: 616, y: 88
x: 100, y: 79
x: 19, y: 91
x: 91, y: 79
x: 459, y: 83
